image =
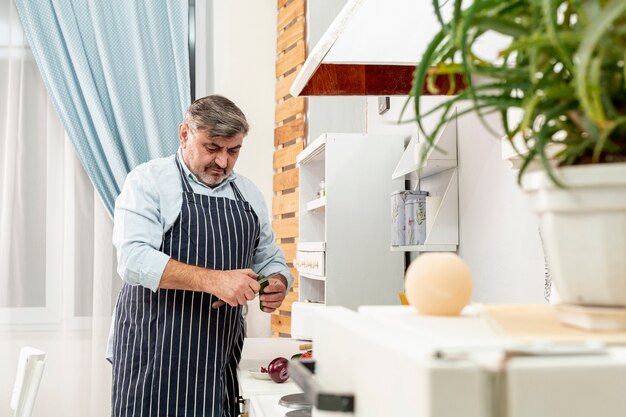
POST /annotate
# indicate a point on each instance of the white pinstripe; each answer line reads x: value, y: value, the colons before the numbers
x: 230, y: 255
x: 243, y: 253
x: 210, y: 313
x: 226, y: 349
x: 132, y: 358
x: 127, y: 327
x: 232, y: 340
x: 117, y: 342
x: 156, y: 344
x: 127, y: 336
x: 167, y: 293
x: 230, y: 252
x: 192, y: 303
x: 182, y: 309
x: 145, y: 374
x: 169, y: 368
x: 195, y: 399
x: 249, y: 255
x: 219, y: 225
x: 116, y: 345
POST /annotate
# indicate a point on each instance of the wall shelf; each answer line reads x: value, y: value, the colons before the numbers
x: 437, y: 174
x: 314, y: 151
x: 440, y: 158
x: 424, y: 248
x: 312, y: 246
x: 316, y: 204
x: 310, y: 276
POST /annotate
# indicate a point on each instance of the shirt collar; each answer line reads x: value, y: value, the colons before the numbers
x: 190, y: 175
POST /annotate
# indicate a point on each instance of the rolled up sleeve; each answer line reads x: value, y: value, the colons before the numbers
x: 138, y: 233
x: 269, y: 258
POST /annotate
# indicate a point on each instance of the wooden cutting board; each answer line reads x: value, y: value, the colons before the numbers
x: 526, y: 322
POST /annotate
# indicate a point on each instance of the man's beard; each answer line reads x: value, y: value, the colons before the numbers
x: 212, y: 180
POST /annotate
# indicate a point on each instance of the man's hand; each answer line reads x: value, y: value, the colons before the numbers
x: 235, y: 287
x: 273, y: 295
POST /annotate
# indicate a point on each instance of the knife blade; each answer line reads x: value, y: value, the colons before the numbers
x: 263, y: 280
x: 266, y: 278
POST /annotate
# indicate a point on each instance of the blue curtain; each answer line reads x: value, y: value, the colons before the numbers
x: 118, y: 75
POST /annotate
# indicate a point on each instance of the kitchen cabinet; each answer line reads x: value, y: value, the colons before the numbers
x: 438, y: 175
x: 500, y: 360
x: 343, y: 256
x: 267, y: 406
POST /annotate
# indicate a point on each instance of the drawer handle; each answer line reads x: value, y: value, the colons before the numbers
x: 302, y: 373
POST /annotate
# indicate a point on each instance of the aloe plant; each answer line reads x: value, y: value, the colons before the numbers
x: 563, y: 69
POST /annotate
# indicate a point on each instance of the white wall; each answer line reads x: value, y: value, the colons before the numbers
x: 498, y: 233
x: 244, y: 56
x: 64, y: 389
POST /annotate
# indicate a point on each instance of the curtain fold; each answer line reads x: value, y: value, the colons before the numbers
x: 115, y: 84
x: 23, y: 118
x: 57, y: 267
x: 118, y: 75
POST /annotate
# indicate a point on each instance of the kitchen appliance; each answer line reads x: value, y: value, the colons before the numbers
x: 391, y: 361
x: 296, y: 401
x: 298, y: 413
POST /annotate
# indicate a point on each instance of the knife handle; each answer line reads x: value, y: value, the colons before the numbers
x: 262, y: 290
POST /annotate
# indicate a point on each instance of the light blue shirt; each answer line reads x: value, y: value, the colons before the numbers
x: 149, y: 204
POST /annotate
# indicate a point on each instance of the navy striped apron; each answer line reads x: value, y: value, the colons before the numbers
x: 174, y: 355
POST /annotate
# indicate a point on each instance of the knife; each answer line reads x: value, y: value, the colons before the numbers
x: 264, y: 282
x: 262, y: 279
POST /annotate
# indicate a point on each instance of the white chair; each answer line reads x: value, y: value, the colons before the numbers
x: 29, y: 371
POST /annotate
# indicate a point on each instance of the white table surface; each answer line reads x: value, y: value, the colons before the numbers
x: 267, y: 406
x: 259, y: 352
x: 263, y: 395
x: 251, y: 387
x: 268, y: 348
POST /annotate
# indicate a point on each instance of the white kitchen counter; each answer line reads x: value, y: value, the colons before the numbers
x: 263, y: 395
x: 267, y: 406
x: 250, y: 387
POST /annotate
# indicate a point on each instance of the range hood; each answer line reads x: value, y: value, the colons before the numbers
x: 371, y: 48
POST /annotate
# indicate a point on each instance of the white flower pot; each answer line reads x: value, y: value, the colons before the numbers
x: 584, y: 231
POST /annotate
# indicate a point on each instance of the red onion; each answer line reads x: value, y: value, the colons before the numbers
x: 278, y: 370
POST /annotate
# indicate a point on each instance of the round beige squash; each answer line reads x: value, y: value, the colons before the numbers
x: 438, y: 284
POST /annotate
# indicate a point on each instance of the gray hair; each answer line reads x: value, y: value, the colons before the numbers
x: 218, y: 115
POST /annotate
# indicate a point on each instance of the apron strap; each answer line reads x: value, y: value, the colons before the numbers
x: 187, y: 186
x: 183, y: 177
x: 237, y: 192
